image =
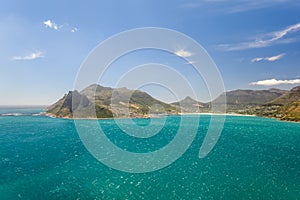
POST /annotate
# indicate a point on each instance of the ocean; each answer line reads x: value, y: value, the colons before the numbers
x: 44, y: 158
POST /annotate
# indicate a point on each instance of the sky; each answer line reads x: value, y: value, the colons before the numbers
x: 254, y: 44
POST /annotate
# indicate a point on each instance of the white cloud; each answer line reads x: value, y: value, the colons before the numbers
x: 271, y: 59
x: 31, y: 56
x: 272, y: 82
x: 257, y: 59
x: 74, y: 29
x: 266, y: 40
x: 183, y: 53
x: 51, y: 24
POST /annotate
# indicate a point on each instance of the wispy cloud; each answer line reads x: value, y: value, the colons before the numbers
x: 248, y: 5
x: 189, y: 63
x: 183, y: 53
x: 51, y: 24
x: 266, y: 40
x: 74, y: 29
x: 271, y: 59
x: 236, y: 6
x: 272, y: 82
x: 31, y: 56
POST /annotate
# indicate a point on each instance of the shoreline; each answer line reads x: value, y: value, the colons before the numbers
x: 227, y: 114
x: 179, y: 114
x: 93, y: 118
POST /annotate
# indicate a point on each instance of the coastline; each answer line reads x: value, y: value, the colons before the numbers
x: 227, y: 114
x: 71, y: 118
x: 94, y: 118
x: 179, y: 114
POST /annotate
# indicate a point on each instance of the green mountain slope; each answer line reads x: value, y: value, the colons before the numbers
x: 284, y: 107
x: 289, y: 105
x: 76, y: 102
x: 97, y: 101
x: 248, y: 101
x: 292, y: 96
x: 251, y: 97
x: 107, y: 102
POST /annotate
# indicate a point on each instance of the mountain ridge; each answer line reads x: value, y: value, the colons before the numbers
x: 96, y: 101
x: 108, y: 102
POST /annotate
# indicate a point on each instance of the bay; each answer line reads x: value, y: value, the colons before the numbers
x: 44, y: 158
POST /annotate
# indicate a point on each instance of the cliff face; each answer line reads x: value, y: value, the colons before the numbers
x: 71, y: 102
x: 96, y: 101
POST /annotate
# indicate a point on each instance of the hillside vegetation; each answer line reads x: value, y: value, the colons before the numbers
x: 97, y: 101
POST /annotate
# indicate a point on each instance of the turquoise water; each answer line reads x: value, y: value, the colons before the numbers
x: 44, y: 158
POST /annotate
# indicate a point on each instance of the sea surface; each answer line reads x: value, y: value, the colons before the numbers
x: 44, y: 158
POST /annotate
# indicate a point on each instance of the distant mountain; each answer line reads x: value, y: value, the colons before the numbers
x: 251, y: 97
x: 107, y: 102
x: 281, y: 104
x: 237, y: 101
x: 190, y: 105
x: 246, y: 101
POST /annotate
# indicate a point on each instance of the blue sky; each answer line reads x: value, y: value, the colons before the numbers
x: 255, y: 44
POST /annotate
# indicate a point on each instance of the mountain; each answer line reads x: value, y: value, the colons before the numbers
x: 281, y: 104
x: 237, y: 101
x: 289, y: 105
x: 251, y: 97
x: 289, y: 97
x: 97, y: 101
x: 247, y: 101
x: 76, y: 102
x: 189, y: 105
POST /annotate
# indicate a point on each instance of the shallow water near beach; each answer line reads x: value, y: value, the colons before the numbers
x: 44, y: 158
